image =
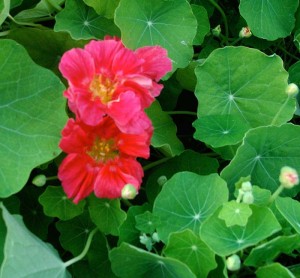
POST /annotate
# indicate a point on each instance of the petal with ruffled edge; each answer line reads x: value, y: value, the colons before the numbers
x: 77, y: 176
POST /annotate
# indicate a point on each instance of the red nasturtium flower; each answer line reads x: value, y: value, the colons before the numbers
x: 106, y: 78
x: 101, y: 159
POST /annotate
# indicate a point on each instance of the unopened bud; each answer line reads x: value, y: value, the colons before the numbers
x: 233, y: 262
x: 245, y: 32
x: 216, y: 31
x: 162, y: 180
x: 129, y: 191
x: 39, y: 180
x: 292, y: 89
x: 155, y: 237
x: 246, y: 186
x: 288, y: 177
x: 248, y: 197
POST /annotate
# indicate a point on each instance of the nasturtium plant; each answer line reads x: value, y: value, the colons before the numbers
x: 149, y: 138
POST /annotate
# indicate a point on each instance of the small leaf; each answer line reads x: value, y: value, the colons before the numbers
x: 56, y: 204
x: 26, y: 255
x: 234, y: 213
x: 104, y: 7
x: 32, y: 115
x: 203, y: 24
x: 186, y: 200
x: 4, y: 10
x: 164, y: 136
x: 269, y: 19
x: 275, y: 270
x: 144, y: 22
x: 188, y: 248
x: 106, y: 214
x: 186, y: 77
x: 138, y: 263
x: 82, y: 22
x: 267, y: 252
x: 290, y: 210
x: 225, y: 241
x: 146, y: 222
x: 261, y: 196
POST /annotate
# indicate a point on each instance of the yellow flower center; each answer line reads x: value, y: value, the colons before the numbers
x: 103, y: 88
x: 103, y: 150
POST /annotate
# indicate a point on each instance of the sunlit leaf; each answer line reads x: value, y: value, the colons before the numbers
x: 104, y: 7
x: 186, y: 200
x: 203, y: 23
x: 4, y: 10
x: 32, y: 115
x: 275, y: 270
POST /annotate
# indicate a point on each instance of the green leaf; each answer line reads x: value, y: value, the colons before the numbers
x: 269, y: 19
x: 267, y: 252
x: 164, y: 137
x: 144, y: 22
x: 220, y: 130
x: 82, y: 22
x: 4, y: 10
x: 225, y: 240
x: 203, y: 24
x: 146, y: 222
x: 106, y: 214
x: 275, y: 270
x: 56, y: 204
x: 137, y: 263
x: 186, y: 200
x: 74, y: 232
x: 186, y: 77
x: 244, y: 82
x: 297, y: 39
x: 261, y: 196
x: 26, y: 255
x: 265, y: 150
x: 188, y: 248
x: 128, y: 232
x: 290, y: 209
x: 234, y: 213
x: 104, y: 7
x: 32, y: 114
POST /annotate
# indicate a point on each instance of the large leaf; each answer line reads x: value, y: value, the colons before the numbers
x: 82, y: 22
x: 186, y: 200
x: 144, y: 22
x: 203, y: 23
x: 244, y: 82
x: 190, y: 249
x: 4, y: 10
x: 269, y: 19
x: 225, y: 240
x: 164, y: 136
x: 26, y: 255
x: 265, y: 150
x: 137, y: 263
x: 275, y: 270
x: 32, y: 114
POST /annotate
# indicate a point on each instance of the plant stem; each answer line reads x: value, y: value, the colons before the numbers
x: 181, y: 113
x: 155, y: 163
x: 224, y: 19
x: 84, y: 251
x: 126, y: 202
x: 23, y: 23
x: 276, y: 193
x: 51, y: 178
x: 288, y: 53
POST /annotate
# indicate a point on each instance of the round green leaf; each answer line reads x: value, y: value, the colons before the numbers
x: 74, y: 232
x: 138, y: 263
x: 267, y: 252
x: 56, y: 204
x: 234, y: 213
x: 290, y: 209
x: 227, y: 240
x: 203, y: 24
x: 269, y: 19
x: 154, y: 22
x: 82, y: 22
x: 275, y: 270
x: 220, y: 130
x: 146, y: 222
x: 32, y: 115
x: 265, y: 150
x: 188, y: 248
x: 186, y: 200
x: 245, y: 82
x: 104, y: 7
x: 164, y: 136
x: 106, y: 214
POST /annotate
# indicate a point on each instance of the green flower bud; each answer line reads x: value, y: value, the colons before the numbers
x: 233, y: 262
x: 162, y: 180
x: 128, y: 191
x: 246, y: 186
x: 216, y: 31
x: 248, y: 197
x: 292, y: 89
x: 39, y: 180
x: 288, y: 177
x: 155, y: 237
x: 245, y: 32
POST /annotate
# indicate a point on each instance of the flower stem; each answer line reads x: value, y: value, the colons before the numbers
x: 52, y: 178
x: 181, y: 113
x: 276, y: 193
x: 224, y: 19
x: 23, y: 23
x: 84, y: 251
x: 155, y: 163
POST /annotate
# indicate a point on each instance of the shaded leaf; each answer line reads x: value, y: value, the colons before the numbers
x: 104, y: 7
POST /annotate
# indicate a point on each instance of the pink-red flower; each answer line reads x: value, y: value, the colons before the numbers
x: 101, y: 159
x: 107, y: 79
